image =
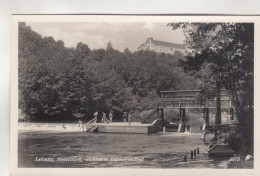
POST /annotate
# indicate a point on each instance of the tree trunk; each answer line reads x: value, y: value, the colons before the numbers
x: 218, y: 107
x: 245, y: 118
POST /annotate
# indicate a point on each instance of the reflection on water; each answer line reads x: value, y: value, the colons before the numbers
x: 161, y: 150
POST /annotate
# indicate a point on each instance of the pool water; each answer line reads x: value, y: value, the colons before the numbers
x: 95, y: 150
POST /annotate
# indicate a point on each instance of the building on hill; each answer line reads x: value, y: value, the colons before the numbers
x: 161, y: 47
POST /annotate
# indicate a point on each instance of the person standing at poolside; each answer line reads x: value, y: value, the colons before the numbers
x: 104, y: 119
x: 125, y: 116
x: 110, y: 116
x: 95, y: 117
x: 80, y: 123
x: 129, y: 118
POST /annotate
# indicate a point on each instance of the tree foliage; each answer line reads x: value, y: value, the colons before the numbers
x: 59, y: 83
x: 222, y: 55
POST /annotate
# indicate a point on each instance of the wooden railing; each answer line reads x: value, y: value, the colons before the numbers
x: 94, y: 120
x: 188, y: 99
x: 175, y: 104
x: 152, y: 107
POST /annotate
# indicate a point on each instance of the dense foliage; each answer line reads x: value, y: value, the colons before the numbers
x: 222, y: 56
x: 59, y: 83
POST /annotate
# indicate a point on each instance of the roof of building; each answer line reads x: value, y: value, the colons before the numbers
x: 172, y: 45
x: 168, y: 44
x: 143, y: 44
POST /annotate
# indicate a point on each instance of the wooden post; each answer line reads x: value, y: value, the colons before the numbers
x: 162, y: 117
x: 198, y: 150
x: 207, y: 118
x: 191, y: 154
x: 185, y: 157
x: 195, y: 152
x: 162, y: 114
x: 183, y: 119
x: 231, y: 114
x: 180, y: 121
x: 181, y: 127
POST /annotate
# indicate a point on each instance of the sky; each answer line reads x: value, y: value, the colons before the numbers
x: 96, y: 34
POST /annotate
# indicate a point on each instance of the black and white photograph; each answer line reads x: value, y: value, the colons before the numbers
x: 133, y: 92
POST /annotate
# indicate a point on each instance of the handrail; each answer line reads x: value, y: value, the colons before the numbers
x: 149, y: 116
x: 94, y: 120
x: 91, y: 128
x: 152, y: 104
x: 178, y: 91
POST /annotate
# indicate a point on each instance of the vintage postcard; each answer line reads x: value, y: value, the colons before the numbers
x: 143, y: 95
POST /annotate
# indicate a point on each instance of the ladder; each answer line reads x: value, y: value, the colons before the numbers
x: 93, y: 128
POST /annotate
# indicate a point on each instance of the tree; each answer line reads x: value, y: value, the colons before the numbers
x: 227, y: 48
x: 80, y: 82
x: 52, y: 81
x: 59, y: 83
